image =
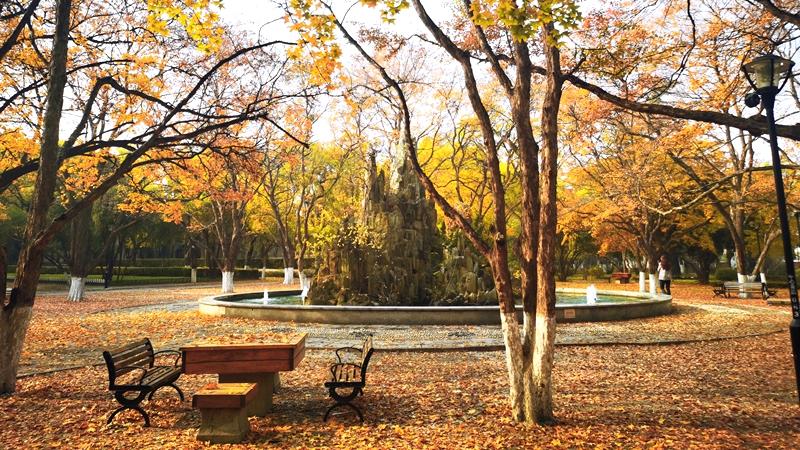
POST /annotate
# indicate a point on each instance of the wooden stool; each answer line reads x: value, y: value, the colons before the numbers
x: 224, y: 410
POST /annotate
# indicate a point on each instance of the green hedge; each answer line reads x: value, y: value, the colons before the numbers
x: 165, y: 272
x: 272, y: 262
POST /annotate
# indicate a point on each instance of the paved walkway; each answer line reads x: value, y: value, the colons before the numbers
x: 172, y: 325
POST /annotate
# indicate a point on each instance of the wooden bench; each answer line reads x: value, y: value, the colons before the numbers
x: 732, y: 287
x: 349, y: 373
x: 132, y: 369
x: 620, y: 277
x: 223, y: 408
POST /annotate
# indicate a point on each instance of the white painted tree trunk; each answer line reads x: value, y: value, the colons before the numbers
x: 227, y: 282
x: 304, y: 281
x: 543, y: 351
x: 741, y: 278
x: 77, y: 288
x: 641, y: 281
x: 263, y: 273
x: 288, y: 275
x: 763, y: 277
x: 194, y: 275
x: 514, y: 364
x: 653, y: 284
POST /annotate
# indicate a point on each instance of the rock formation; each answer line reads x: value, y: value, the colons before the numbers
x: 464, y: 276
x: 387, y: 256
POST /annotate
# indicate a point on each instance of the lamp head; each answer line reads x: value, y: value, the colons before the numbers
x: 767, y: 74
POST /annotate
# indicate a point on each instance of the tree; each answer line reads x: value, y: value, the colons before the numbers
x: 530, y: 352
x: 222, y: 185
x: 190, y: 113
x: 625, y: 187
x: 299, y: 179
x: 18, y: 308
x: 95, y: 229
x: 663, y: 93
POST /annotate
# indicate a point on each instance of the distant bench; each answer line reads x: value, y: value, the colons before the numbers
x: 732, y: 287
x: 620, y: 277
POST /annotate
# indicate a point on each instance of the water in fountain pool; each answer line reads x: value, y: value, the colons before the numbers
x: 561, y: 299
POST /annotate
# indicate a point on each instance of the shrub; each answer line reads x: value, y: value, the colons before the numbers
x: 595, y: 272
x: 725, y: 274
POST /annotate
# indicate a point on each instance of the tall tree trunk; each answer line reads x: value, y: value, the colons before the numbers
x: 288, y: 262
x: 652, y: 267
x: 191, y: 256
x: 544, y: 342
x: 248, y: 255
x: 529, y: 212
x: 3, y: 274
x: 80, y: 242
x: 230, y: 251
x: 210, y: 250
x: 16, y: 314
x: 111, y: 251
x: 497, y: 252
x: 762, y: 256
x: 739, y: 246
x: 230, y: 237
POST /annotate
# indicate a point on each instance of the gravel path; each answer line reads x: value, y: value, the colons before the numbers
x: 689, y: 323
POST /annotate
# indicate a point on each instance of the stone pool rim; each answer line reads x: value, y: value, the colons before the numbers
x: 226, y: 305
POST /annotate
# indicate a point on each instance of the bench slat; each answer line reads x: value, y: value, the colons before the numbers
x: 129, y: 346
x: 125, y: 357
x: 117, y: 357
x: 135, y: 361
x: 157, y: 375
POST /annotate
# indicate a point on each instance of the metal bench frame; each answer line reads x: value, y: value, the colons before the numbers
x: 340, y: 381
x: 139, y: 356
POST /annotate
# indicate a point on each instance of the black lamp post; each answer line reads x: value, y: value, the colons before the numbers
x: 797, y: 218
x: 768, y: 74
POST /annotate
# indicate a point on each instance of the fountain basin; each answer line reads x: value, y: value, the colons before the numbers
x: 620, y: 305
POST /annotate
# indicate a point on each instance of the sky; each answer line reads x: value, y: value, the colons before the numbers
x: 242, y: 14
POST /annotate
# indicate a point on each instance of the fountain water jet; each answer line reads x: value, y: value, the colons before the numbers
x: 591, y: 294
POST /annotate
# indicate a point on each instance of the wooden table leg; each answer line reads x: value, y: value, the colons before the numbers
x: 265, y: 382
x: 223, y: 426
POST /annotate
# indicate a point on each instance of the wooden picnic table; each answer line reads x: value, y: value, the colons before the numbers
x: 257, y: 363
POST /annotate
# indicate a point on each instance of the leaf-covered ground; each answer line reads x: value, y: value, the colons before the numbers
x: 733, y: 393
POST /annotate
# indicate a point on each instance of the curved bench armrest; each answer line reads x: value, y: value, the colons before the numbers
x: 175, y: 353
x: 346, y: 350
